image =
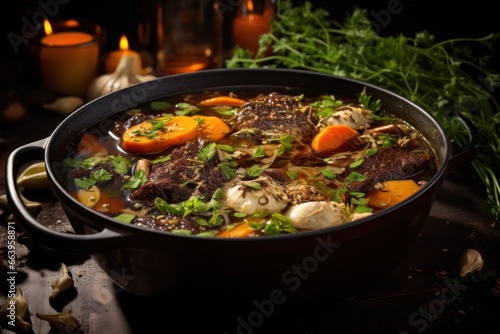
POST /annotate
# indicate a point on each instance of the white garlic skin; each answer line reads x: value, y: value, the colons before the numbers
x: 272, y: 197
x: 316, y: 215
x: 470, y: 261
x: 123, y: 77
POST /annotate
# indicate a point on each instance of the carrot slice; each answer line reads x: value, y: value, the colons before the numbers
x: 211, y: 128
x: 240, y: 231
x: 90, y: 146
x: 223, y: 101
x: 332, y: 137
x: 392, y: 193
x: 152, y: 137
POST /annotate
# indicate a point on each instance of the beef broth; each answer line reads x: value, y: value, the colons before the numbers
x: 248, y: 168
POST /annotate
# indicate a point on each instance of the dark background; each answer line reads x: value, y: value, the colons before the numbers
x: 466, y: 19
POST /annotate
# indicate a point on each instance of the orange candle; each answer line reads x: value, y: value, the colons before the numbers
x: 114, y: 57
x: 247, y: 30
x: 68, y: 61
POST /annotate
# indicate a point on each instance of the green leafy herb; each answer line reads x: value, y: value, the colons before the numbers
x: 371, y: 151
x: 325, y: 107
x: 254, y: 171
x: 182, y: 232
x: 226, y: 169
x: 285, y: 143
x: 126, y: 218
x: 208, y: 152
x: 161, y: 159
x: 137, y: 180
x: 225, y: 148
x: 329, y: 174
x: 363, y: 209
x: 367, y: 103
x: 258, y: 153
x: 185, y: 109
x: 355, y: 177
x: 160, y: 105
x: 157, y: 125
x: 447, y: 78
x: 121, y: 164
x: 100, y: 175
x: 356, y: 163
x: 253, y: 185
x: 226, y: 111
x: 278, y: 224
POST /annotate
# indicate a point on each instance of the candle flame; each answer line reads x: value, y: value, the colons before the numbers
x: 250, y: 5
x: 47, y: 27
x: 124, y: 43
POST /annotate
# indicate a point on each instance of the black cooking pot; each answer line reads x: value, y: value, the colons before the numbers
x: 332, y: 263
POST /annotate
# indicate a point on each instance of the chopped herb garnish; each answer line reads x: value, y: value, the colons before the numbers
x: 228, y: 172
x: 278, y: 224
x: 121, y: 164
x: 208, y: 152
x: 253, y: 185
x: 254, y: 171
x: 182, y: 232
x: 206, y: 234
x: 259, y: 153
x: 225, y: 148
x: 363, y: 209
x: 126, y: 218
x: 226, y: 111
x: 137, y: 180
x: 161, y: 159
x: 285, y: 144
x: 367, y: 103
x: 186, y: 109
x: 160, y: 105
x: 356, y: 177
x: 100, y: 175
x: 356, y: 163
x: 328, y: 173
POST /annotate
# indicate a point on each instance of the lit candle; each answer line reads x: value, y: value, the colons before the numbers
x: 114, y: 57
x: 68, y: 60
x: 248, y: 27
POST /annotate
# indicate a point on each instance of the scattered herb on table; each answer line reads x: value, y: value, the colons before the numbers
x: 445, y: 77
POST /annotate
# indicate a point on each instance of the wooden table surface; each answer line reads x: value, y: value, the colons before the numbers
x: 411, y: 299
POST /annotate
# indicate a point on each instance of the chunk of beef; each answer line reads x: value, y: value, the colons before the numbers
x: 185, y: 175
x: 386, y: 164
x: 276, y: 112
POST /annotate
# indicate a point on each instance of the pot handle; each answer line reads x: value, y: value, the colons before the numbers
x: 76, y: 244
x: 468, y: 152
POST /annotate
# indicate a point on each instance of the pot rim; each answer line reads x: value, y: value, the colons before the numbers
x: 115, y: 225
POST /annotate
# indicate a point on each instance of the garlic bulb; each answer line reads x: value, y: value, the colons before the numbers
x: 122, y: 77
x: 470, y: 261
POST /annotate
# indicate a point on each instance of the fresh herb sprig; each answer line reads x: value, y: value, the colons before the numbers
x: 445, y: 77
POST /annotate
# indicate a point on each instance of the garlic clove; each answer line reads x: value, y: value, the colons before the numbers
x: 470, y: 261
x: 65, y: 105
x: 20, y: 305
x: 124, y: 76
x: 62, y: 283
x: 90, y: 196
